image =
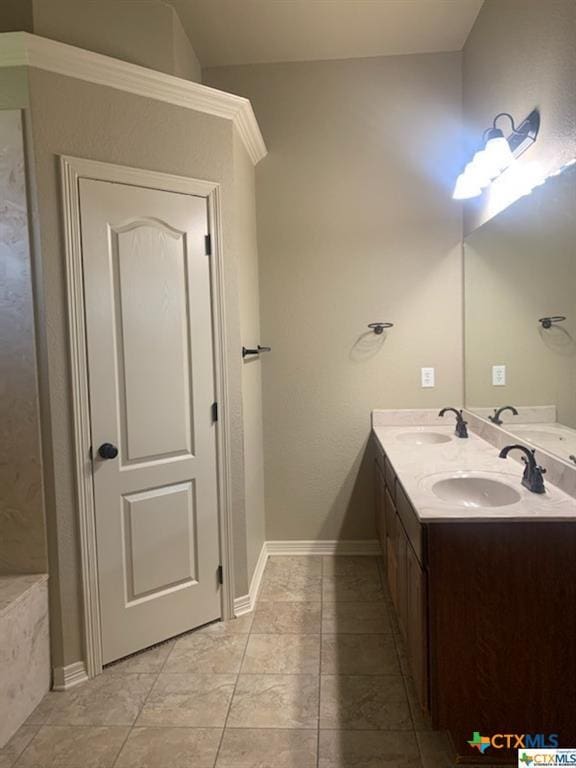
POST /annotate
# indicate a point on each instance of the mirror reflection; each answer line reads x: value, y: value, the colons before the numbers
x: 520, y: 317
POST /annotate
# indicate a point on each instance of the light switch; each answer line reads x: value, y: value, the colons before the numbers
x: 498, y: 375
x: 428, y: 377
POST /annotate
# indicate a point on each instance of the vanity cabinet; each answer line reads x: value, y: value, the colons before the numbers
x: 401, y: 540
x: 487, y: 611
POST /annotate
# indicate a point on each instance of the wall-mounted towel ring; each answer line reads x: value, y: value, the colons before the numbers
x: 379, y: 328
x: 548, y: 322
x: 246, y: 351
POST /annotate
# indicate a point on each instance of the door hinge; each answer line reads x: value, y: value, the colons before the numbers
x: 220, y: 575
x: 214, y: 412
x: 208, y: 244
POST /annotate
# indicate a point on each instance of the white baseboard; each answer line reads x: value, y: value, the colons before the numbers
x: 69, y: 676
x: 246, y: 603
x: 368, y: 547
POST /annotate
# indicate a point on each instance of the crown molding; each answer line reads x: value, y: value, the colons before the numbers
x: 19, y: 49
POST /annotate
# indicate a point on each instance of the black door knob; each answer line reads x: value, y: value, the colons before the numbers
x: 107, y: 451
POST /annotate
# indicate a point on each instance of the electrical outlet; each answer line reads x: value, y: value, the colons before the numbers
x: 428, y: 377
x: 498, y: 375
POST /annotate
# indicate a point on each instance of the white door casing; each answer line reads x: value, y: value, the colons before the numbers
x: 159, y: 496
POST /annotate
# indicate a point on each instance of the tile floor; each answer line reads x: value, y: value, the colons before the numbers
x: 314, y: 678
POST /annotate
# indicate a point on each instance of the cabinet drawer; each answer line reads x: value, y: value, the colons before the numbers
x: 410, y: 522
x: 379, y: 453
x: 390, y: 477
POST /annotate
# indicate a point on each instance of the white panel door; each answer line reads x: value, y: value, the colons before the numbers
x: 151, y: 371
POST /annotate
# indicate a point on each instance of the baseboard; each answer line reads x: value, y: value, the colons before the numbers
x: 246, y: 603
x: 69, y: 676
x: 368, y: 547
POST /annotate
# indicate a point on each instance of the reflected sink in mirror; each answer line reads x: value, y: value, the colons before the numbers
x: 475, y: 491
x: 423, y: 438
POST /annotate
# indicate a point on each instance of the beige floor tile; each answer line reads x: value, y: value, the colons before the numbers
x: 14, y: 748
x: 356, y: 618
x: 206, y: 653
x: 275, y: 701
x: 238, y: 626
x: 341, y: 565
x: 267, y: 748
x: 45, y: 709
x: 295, y: 565
x: 435, y: 749
x: 359, y: 588
x: 363, y: 703
x: 359, y: 655
x: 368, y: 749
x: 282, y: 655
x: 289, y: 587
x: 73, y: 747
x: 282, y: 618
x: 149, y: 661
x: 105, y: 700
x: 199, y: 701
x: 170, y: 748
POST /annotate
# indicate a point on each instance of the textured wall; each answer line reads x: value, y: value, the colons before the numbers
x: 147, y: 32
x: 75, y: 118
x: 22, y: 534
x: 355, y: 224
x: 521, y: 54
x: 245, y: 224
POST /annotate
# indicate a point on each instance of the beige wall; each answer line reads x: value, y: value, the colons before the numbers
x: 245, y: 221
x: 84, y: 120
x: 145, y: 32
x: 355, y: 224
x: 22, y: 529
x: 521, y: 54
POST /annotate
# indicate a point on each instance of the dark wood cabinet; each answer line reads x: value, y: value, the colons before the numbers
x: 401, y: 541
x: 488, y: 614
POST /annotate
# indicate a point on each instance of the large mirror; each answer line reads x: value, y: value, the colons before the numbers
x: 520, y: 316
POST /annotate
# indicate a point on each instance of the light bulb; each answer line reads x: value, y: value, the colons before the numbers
x: 479, y: 169
x: 465, y: 188
x: 498, y: 154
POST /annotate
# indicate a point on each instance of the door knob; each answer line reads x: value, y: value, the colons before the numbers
x: 107, y: 451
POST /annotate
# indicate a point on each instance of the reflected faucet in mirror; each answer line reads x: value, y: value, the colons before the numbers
x: 532, y: 479
x: 461, y: 425
x: 495, y: 419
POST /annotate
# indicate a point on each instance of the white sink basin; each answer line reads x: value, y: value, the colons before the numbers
x: 423, y: 438
x: 475, y: 491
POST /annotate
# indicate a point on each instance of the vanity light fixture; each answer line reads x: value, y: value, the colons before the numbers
x: 497, y: 154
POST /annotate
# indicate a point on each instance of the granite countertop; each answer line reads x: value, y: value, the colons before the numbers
x: 416, y: 465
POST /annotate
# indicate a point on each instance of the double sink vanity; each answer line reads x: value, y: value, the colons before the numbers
x: 482, y: 574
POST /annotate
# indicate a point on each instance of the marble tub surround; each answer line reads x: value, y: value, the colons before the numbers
x: 559, y: 472
x: 24, y: 650
x: 414, y: 466
x: 319, y: 683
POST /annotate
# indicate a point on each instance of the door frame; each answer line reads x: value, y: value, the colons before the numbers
x: 72, y: 169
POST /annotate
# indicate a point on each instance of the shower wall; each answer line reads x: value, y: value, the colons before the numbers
x: 22, y: 530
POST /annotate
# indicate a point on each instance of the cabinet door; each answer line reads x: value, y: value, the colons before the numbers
x: 380, y: 507
x: 402, y: 547
x: 392, y: 550
x: 416, y: 625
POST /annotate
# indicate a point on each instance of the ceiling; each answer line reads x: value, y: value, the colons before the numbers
x: 225, y: 32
